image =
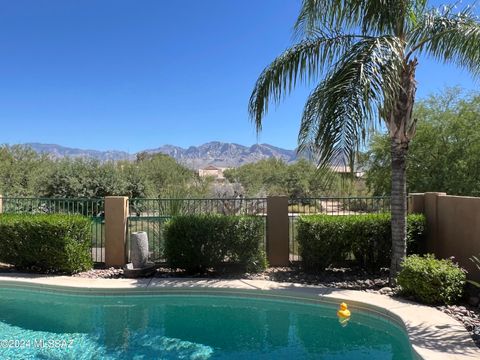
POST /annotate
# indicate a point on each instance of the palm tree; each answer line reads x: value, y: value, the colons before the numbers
x: 363, y: 55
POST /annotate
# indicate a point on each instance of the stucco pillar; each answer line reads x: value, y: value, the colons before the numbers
x: 277, y: 231
x: 116, y: 215
x: 416, y: 203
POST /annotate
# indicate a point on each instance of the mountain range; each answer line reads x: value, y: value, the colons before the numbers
x: 214, y: 153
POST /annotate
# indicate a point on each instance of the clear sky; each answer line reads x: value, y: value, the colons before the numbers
x: 136, y: 74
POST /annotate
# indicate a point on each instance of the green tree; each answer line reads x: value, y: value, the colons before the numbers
x: 135, y: 180
x: 365, y: 52
x: 265, y: 176
x: 378, y: 162
x: 82, y: 178
x: 275, y: 177
x: 22, y: 170
x: 165, y: 177
x: 445, y: 153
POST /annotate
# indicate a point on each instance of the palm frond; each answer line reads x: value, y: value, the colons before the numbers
x: 303, y: 61
x: 448, y: 37
x: 372, y: 16
x: 345, y: 107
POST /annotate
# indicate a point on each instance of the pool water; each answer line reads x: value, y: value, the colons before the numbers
x: 41, y: 325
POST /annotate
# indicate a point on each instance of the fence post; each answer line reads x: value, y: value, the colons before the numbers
x: 277, y: 231
x: 1, y: 203
x: 116, y: 215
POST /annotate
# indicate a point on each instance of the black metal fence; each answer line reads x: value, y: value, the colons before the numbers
x: 150, y: 215
x: 330, y: 206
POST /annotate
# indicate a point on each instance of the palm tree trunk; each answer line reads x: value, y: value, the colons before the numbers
x: 402, y: 129
x: 398, y: 207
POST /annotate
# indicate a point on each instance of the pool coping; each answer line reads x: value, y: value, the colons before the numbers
x: 433, y: 334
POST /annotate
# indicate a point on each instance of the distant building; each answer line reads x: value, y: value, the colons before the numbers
x: 213, y: 171
x: 345, y: 170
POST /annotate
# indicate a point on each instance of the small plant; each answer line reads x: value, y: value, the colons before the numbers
x: 430, y: 280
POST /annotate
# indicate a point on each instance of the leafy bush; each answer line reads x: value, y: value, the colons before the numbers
x: 430, y: 280
x: 46, y: 243
x: 416, y: 233
x: 329, y: 240
x: 199, y: 242
x: 321, y: 242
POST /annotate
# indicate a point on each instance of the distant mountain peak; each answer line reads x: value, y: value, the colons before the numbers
x: 214, y: 153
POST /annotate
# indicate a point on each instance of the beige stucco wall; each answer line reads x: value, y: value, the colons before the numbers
x: 430, y: 210
x: 205, y: 173
x: 453, y: 224
x: 217, y: 173
x: 416, y: 203
x: 458, y: 231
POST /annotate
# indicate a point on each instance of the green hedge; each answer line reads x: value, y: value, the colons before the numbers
x: 329, y: 240
x: 46, y: 243
x: 197, y: 243
x: 430, y: 280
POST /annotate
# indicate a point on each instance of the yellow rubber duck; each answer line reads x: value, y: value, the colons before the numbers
x: 343, y: 312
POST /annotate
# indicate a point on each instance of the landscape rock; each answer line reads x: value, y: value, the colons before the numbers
x: 476, y: 334
x: 110, y: 273
x: 468, y: 317
x: 386, y: 290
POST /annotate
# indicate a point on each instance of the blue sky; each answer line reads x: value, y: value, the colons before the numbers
x: 132, y: 75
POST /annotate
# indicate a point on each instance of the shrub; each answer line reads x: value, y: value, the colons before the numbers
x: 46, y: 243
x: 430, y: 280
x: 199, y: 242
x: 329, y: 240
x: 416, y: 234
x: 321, y: 242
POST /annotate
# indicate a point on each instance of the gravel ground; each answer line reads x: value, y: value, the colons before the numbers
x: 341, y: 278
x: 468, y: 315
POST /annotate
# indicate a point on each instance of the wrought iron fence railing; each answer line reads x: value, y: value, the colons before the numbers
x: 150, y: 215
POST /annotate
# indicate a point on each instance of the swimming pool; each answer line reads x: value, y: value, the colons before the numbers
x: 47, y: 325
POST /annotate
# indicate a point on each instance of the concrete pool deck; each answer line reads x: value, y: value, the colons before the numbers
x: 433, y: 334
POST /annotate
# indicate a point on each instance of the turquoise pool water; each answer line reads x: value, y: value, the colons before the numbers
x: 41, y: 325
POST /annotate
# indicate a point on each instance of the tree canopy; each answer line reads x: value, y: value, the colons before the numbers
x: 296, y: 180
x: 23, y: 172
x: 445, y: 153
